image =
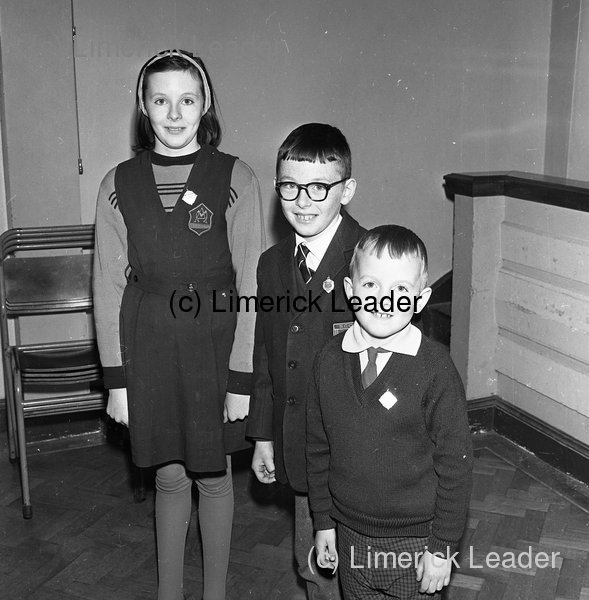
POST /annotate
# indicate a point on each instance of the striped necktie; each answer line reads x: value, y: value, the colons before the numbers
x: 301, y: 258
x: 370, y: 373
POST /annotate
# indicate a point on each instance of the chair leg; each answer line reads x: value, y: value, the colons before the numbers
x: 10, y: 419
x: 27, y: 509
x: 11, y: 430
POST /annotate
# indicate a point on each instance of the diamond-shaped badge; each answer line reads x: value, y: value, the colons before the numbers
x: 388, y: 400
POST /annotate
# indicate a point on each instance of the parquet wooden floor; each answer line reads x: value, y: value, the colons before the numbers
x: 89, y: 540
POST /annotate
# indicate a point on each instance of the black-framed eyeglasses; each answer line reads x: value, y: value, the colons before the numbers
x: 317, y: 191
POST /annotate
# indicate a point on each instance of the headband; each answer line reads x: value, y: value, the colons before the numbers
x: 167, y: 54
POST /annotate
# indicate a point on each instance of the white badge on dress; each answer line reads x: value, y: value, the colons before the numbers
x: 388, y: 400
x: 189, y: 197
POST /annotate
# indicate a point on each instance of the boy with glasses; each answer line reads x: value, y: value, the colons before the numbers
x: 313, y: 181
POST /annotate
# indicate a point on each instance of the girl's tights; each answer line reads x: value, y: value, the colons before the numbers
x: 173, y: 504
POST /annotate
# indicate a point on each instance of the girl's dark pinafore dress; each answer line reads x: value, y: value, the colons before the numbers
x: 175, y: 347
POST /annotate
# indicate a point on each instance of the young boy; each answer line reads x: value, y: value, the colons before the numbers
x: 389, y: 455
x: 313, y: 181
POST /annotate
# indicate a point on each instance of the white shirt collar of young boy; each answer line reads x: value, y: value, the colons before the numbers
x: 353, y: 341
x: 318, y: 246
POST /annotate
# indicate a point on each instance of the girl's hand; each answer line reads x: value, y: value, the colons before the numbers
x: 327, y: 557
x: 236, y: 408
x: 117, y: 407
x: 434, y: 572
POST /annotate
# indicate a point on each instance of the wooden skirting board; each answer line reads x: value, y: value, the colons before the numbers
x: 548, y: 443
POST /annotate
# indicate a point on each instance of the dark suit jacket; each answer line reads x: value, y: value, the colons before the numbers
x: 286, y: 343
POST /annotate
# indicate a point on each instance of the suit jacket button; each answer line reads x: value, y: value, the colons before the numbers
x: 291, y: 400
x: 295, y: 329
x: 292, y: 364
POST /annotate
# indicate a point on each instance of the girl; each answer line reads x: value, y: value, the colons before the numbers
x: 177, y: 227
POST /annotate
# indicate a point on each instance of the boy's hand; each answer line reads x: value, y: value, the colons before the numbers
x: 327, y: 557
x: 117, y: 407
x: 433, y: 572
x: 236, y: 407
x: 263, y: 462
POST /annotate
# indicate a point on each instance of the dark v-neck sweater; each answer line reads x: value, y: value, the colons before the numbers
x: 403, y: 471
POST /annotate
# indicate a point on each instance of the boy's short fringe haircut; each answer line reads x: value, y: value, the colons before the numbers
x: 397, y: 241
x: 314, y: 142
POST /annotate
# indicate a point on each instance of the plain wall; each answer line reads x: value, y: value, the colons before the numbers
x: 564, y: 46
x: 579, y: 137
x: 39, y: 127
x: 419, y: 88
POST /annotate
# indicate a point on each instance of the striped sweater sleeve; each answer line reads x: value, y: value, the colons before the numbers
x: 247, y: 240
x: 110, y: 263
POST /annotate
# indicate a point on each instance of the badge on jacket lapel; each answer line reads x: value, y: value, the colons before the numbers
x: 338, y: 328
x: 201, y: 219
x: 328, y: 285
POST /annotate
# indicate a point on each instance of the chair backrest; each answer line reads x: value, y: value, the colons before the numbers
x: 47, y: 284
x: 45, y: 270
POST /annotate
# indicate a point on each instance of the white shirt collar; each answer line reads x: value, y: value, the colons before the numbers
x: 354, y: 341
x: 318, y: 246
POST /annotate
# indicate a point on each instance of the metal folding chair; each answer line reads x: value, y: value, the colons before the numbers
x: 43, y: 271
